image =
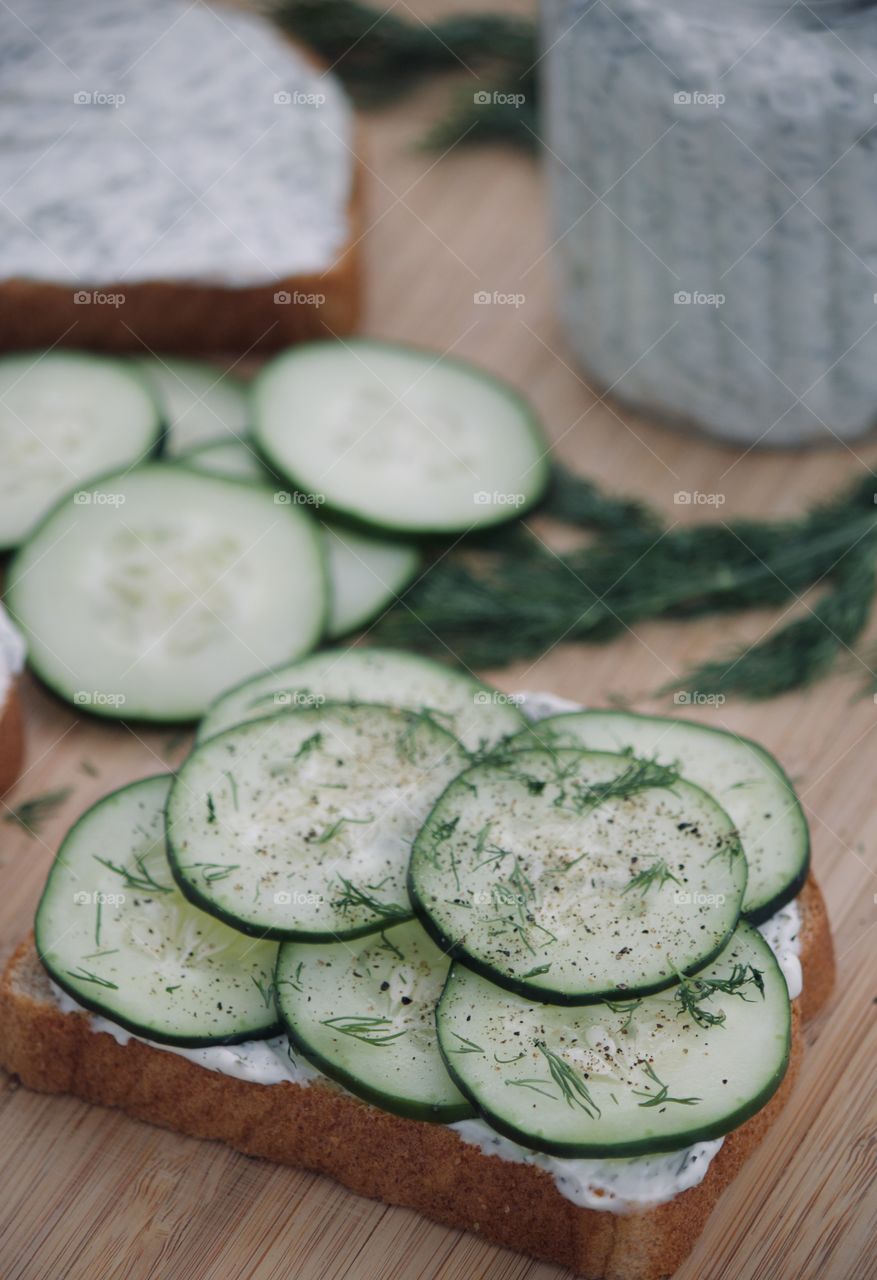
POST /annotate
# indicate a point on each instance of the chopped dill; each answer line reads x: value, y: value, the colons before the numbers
x: 658, y: 874
x: 692, y: 993
x: 353, y: 898
x: 366, y: 1029
x: 663, y: 1094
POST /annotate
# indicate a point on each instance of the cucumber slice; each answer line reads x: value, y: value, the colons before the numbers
x: 402, y: 440
x: 364, y: 1014
x: 233, y: 458
x: 166, y: 589
x: 365, y: 575
x: 310, y: 816
x: 476, y: 714
x: 114, y: 932
x: 575, y: 876
x: 745, y: 779
x: 65, y: 417
x: 623, y: 1080
x: 199, y: 401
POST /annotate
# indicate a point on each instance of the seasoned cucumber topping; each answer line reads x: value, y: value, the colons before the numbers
x: 397, y: 438
x: 300, y: 826
x: 114, y: 931
x: 66, y: 417
x: 364, y: 1013
x: 623, y: 1079
x: 745, y: 779
x: 575, y: 876
x: 164, y: 588
x: 476, y: 714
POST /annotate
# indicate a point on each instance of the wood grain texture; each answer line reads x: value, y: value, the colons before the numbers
x: 86, y: 1194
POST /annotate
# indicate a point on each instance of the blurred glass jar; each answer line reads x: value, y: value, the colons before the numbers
x: 714, y: 189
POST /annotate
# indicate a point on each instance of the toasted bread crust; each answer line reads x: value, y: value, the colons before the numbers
x: 11, y: 739
x: 403, y: 1162
x: 188, y: 317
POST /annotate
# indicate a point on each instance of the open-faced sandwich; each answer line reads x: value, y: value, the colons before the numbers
x: 538, y: 974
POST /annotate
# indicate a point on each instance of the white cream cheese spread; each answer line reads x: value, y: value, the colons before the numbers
x: 259, y: 1061
x: 617, y: 1186
x: 166, y: 141
x: 12, y: 654
x: 780, y: 933
x: 613, y: 1185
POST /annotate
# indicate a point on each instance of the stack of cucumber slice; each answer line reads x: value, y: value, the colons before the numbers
x: 451, y: 913
x: 177, y: 529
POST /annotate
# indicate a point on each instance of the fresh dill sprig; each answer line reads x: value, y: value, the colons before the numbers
x: 141, y: 880
x: 233, y: 785
x: 368, y: 1030
x: 354, y: 898
x: 332, y: 830
x: 729, y: 846
x: 295, y: 981
x: 466, y: 1046
x: 513, y: 899
x: 692, y: 993
x: 663, y: 1095
x: 85, y: 975
x: 640, y: 775
x: 212, y: 871
x: 658, y: 873
x: 496, y: 599
x: 386, y: 945
x: 267, y: 990
x: 31, y: 814
x: 627, y: 1007
x: 279, y: 767
x: 571, y: 1086
x: 382, y: 55
x: 406, y: 743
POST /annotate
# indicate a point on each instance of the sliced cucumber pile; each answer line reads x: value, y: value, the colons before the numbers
x: 364, y: 1014
x: 165, y: 589
x: 649, y: 1075
x: 476, y: 714
x: 577, y: 876
x: 399, y: 439
x: 199, y: 402
x: 66, y: 417
x: 745, y: 779
x: 300, y: 826
x: 114, y: 931
x: 366, y: 575
x: 233, y: 458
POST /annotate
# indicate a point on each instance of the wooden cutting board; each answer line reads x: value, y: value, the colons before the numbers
x: 88, y: 1194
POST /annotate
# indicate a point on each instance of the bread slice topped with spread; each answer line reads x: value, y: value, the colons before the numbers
x: 210, y: 196
x: 11, y: 735
x: 381, y: 911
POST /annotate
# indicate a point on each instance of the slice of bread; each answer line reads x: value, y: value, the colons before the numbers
x: 402, y: 1162
x: 211, y: 200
